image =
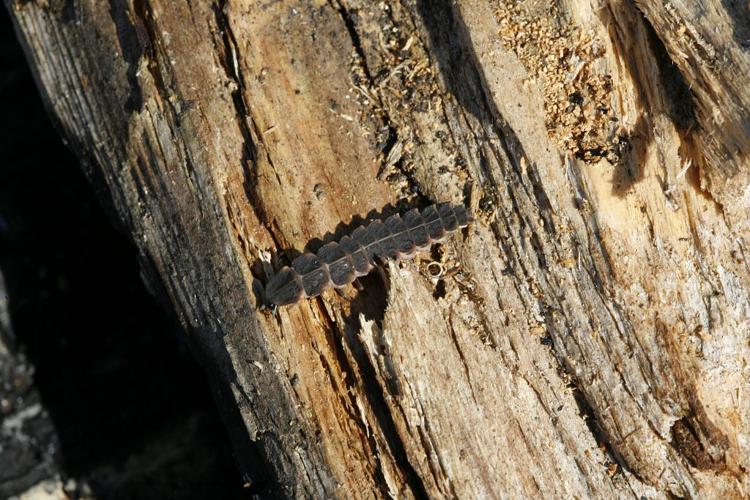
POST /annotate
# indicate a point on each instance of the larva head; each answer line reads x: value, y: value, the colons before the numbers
x: 284, y: 288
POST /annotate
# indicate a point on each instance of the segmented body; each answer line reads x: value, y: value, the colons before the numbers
x: 339, y: 263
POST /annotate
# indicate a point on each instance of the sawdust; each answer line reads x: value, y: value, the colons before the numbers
x: 577, y: 99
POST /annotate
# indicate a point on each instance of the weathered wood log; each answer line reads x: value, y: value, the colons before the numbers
x: 586, y: 336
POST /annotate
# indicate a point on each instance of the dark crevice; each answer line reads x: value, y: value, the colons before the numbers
x: 601, y: 267
x: 67, y: 10
x: 589, y: 417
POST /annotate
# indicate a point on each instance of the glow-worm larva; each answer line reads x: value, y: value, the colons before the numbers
x: 339, y: 263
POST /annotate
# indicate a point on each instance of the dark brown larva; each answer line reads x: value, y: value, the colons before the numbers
x: 339, y: 263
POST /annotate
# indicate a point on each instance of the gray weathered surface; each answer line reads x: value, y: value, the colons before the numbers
x: 589, y: 337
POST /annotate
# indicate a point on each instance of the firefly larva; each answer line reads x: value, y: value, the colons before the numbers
x: 339, y: 263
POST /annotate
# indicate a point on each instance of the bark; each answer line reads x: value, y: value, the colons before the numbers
x: 586, y: 336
